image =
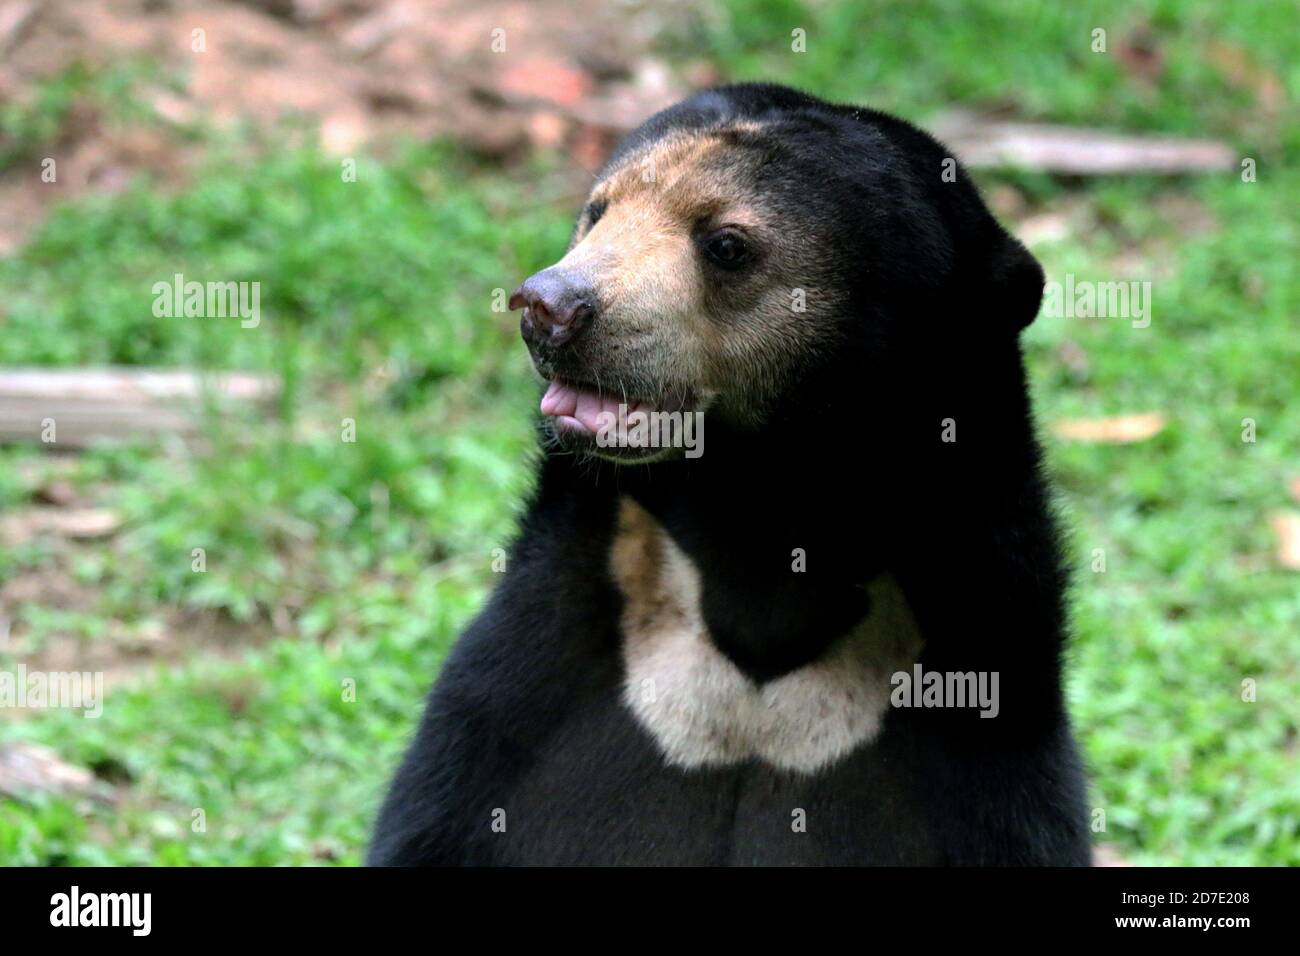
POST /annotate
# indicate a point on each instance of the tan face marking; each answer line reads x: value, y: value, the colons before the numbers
x: 703, y: 711
x: 668, y: 322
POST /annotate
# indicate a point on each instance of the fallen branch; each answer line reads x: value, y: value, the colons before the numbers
x: 1085, y: 152
x: 82, y: 406
x: 29, y: 770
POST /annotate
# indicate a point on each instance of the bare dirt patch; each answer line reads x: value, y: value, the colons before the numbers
x: 498, y: 75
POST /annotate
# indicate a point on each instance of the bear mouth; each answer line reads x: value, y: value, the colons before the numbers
x: 620, y: 428
x: 585, y: 409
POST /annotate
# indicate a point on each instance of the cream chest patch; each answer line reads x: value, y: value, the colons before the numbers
x: 702, y: 710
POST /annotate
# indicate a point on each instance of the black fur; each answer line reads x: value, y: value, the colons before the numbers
x: 526, y: 715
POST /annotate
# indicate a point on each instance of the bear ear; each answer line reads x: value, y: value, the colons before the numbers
x: 1017, y: 281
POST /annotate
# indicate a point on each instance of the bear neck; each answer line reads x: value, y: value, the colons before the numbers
x: 787, y: 524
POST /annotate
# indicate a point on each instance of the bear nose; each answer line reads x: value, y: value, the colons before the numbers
x: 557, y: 306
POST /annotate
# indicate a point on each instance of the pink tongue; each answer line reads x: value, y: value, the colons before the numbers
x: 582, y: 405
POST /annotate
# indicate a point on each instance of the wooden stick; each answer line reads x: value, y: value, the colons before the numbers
x: 1080, y: 151
x: 81, y: 406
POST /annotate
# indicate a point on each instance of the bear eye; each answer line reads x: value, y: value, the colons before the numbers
x: 594, y: 211
x: 727, y: 249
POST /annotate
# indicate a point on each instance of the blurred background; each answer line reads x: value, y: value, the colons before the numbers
x: 268, y: 567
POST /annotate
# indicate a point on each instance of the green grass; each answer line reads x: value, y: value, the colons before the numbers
x: 919, y: 57
x: 1190, y: 603
x: 377, y: 306
x: 361, y: 561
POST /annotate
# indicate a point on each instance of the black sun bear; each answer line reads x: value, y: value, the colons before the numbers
x: 788, y: 589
